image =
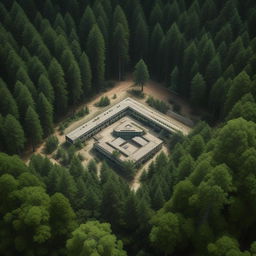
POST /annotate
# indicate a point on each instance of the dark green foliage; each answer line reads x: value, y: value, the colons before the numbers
x: 96, y: 54
x: 33, y: 127
x: 13, y: 133
x: 95, y: 238
x: 23, y: 98
x: 45, y: 111
x: 197, y: 200
x: 56, y: 77
x: 86, y: 74
x: 7, y: 103
x: 198, y: 90
x: 103, y: 102
x: 141, y: 75
x: 157, y: 104
x: 51, y: 144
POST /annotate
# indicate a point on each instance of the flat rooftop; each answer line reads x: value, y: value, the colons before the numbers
x: 132, y: 149
x: 128, y: 103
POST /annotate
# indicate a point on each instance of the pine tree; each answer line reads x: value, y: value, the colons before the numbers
x: 96, y: 54
x: 240, y: 86
x: 86, y: 74
x: 23, y: 99
x: 119, y: 17
x: 213, y: 71
x: 46, y: 114
x: 86, y: 24
x: 24, y: 78
x: 141, y: 75
x: 190, y: 55
x: 120, y: 50
x: 140, y: 46
x: 33, y: 127
x: 156, y: 15
x: 13, y: 135
x: 56, y: 76
x: 157, y: 36
x: 208, y: 52
x: 7, y: 103
x: 174, y: 79
x: 198, y: 90
x: 45, y: 87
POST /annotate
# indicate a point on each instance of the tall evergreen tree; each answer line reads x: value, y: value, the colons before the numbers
x: 33, y: 127
x: 120, y: 50
x: 141, y: 75
x: 13, y: 135
x: 7, y: 103
x: 45, y: 87
x: 86, y: 24
x: 45, y: 111
x: 23, y: 99
x: 96, y: 54
x: 140, y: 46
x: 198, y: 90
x: 56, y: 76
x: 86, y: 74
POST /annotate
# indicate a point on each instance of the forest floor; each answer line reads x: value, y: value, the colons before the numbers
x: 120, y: 90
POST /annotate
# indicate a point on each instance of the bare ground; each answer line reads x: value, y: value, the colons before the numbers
x: 121, y: 91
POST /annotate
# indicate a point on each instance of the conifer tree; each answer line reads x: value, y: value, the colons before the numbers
x: 120, y: 50
x: 86, y: 24
x: 119, y: 17
x: 13, y: 135
x: 213, y: 71
x: 96, y: 54
x: 140, y: 46
x: 45, y: 87
x: 157, y: 36
x: 33, y: 127
x: 189, y: 57
x: 141, y: 75
x: 56, y: 76
x: 45, y: 113
x: 198, y: 90
x: 23, y: 77
x: 7, y: 103
x: 23, y: 99
x: 156, y: 15
x: 86, y: 74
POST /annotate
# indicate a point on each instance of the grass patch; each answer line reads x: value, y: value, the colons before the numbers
x: 103, y: 102
x: 157, y: 104
x: 137, y: 93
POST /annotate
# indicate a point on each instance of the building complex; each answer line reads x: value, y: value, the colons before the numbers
x: 129, y: 140
x: 128, y: 107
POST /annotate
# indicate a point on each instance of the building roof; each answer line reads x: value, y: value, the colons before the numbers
x: 127, y: 127
x: 124, y: 105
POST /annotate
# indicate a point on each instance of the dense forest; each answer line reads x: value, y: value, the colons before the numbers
x: 200, y: 199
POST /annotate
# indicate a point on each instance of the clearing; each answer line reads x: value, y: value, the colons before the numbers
x: 120, y: 90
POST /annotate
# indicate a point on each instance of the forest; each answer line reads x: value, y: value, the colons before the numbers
x: 198, y: 200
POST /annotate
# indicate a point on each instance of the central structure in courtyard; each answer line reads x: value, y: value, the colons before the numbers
x: 129, y: 140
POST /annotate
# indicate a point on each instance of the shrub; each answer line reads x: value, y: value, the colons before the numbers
x: 103, y: 102
x: 137, y: 93
x: 78, y: 144
x: 157, y: 104
x: 51, y: 144
x: 84, y: 111
x: 114, y: 96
